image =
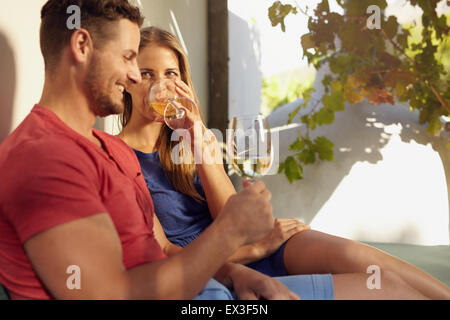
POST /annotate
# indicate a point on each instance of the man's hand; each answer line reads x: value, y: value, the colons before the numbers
x: 249, y: 213
x: 252, y: 285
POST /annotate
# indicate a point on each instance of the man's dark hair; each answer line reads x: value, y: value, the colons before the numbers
x: 97, y: 17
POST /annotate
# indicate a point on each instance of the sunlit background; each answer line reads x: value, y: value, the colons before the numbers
x: 388, y: 181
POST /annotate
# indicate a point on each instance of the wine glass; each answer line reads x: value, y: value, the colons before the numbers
x: 162, y: 98
x: 249, y: 146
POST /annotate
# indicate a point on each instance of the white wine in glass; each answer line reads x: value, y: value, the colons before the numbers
x: 249, y: 146
x: 163, y: 100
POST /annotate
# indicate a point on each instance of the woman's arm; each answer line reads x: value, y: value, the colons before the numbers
x: 208, y: 158
x: 218, y: 189
x: 215, y: 181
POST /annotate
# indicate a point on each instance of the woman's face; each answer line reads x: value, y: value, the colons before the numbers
x: 155, y: 63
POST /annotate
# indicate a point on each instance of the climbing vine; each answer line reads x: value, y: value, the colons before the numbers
x: 371, y: 58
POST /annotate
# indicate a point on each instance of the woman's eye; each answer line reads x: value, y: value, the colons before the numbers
x: 146, y: 75
x: 172, y: 74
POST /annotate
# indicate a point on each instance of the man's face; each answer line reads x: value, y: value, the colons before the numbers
x: 112, y: 68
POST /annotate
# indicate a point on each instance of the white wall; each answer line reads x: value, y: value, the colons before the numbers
x: 245, y: 77
x: 22, y: 65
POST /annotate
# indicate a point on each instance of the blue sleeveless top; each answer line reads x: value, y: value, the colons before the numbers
x: 181, y: 216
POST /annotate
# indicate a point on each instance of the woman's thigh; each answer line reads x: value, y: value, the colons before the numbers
x: 311, y: 251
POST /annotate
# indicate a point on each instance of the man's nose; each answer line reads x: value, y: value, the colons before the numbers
x: 135, y: 75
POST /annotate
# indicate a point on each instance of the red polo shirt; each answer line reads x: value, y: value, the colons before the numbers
x: 50, y: 175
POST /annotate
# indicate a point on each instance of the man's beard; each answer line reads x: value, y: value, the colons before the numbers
x: 100, y: 102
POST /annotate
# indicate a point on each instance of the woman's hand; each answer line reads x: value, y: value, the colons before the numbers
x: 183, y: 90
x: 199, y: 134
x: 283, y: 229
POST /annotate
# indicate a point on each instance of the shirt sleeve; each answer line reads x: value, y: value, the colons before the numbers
x: 51, y: 184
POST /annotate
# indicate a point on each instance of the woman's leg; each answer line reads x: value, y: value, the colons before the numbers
x: 349, y: 286
x: 353, y: 286
x: 315, y: 252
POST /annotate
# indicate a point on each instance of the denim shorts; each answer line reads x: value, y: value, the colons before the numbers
x: 273, y: 265
x: 308, y: 287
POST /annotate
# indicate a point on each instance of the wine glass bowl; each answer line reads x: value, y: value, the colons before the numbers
x: 249, y: 146
x: 163, y: 100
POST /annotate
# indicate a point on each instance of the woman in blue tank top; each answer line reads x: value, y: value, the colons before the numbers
x: 188, y: 197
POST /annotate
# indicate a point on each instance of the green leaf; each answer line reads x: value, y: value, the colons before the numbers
x: 324, y: 148
x: 304, y: 119
x: 281, y: 168
x: 312, y: 122
x: 278, y: 12
x: 400, y: 88
x: 424, y: 114
x: 324, y: 116
x: 293, y: 114
x: 292, y: 169
x: 441, y: 26
x: 307, y: 156
x: 355, y: 40
x: 391, y: 27
x: 336, y: 86
x: 359, y: 7
x: 340, y: 64
x: 402, y: 39
x: 297, y: 145
x: 434, y: 125
x: 323, y: 8
x: 327, y: 79
x: 334, y: 102
x: 307, y: 42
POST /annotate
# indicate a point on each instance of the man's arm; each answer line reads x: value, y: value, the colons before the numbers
x: 93, y: 245
x: 248, y: 283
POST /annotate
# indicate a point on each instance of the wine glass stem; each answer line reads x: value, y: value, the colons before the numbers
x: 249, y: 179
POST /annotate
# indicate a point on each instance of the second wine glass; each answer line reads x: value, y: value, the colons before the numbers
x: 249, y: 146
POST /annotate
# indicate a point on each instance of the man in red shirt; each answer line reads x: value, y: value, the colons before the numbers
x: 74, y: 198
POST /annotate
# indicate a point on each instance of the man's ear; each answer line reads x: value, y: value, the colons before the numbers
x: 81, y: 45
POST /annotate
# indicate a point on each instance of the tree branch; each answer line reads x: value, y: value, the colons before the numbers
x: 427, y: 82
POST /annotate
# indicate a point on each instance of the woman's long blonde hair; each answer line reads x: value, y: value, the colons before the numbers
x: 180, y: 175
